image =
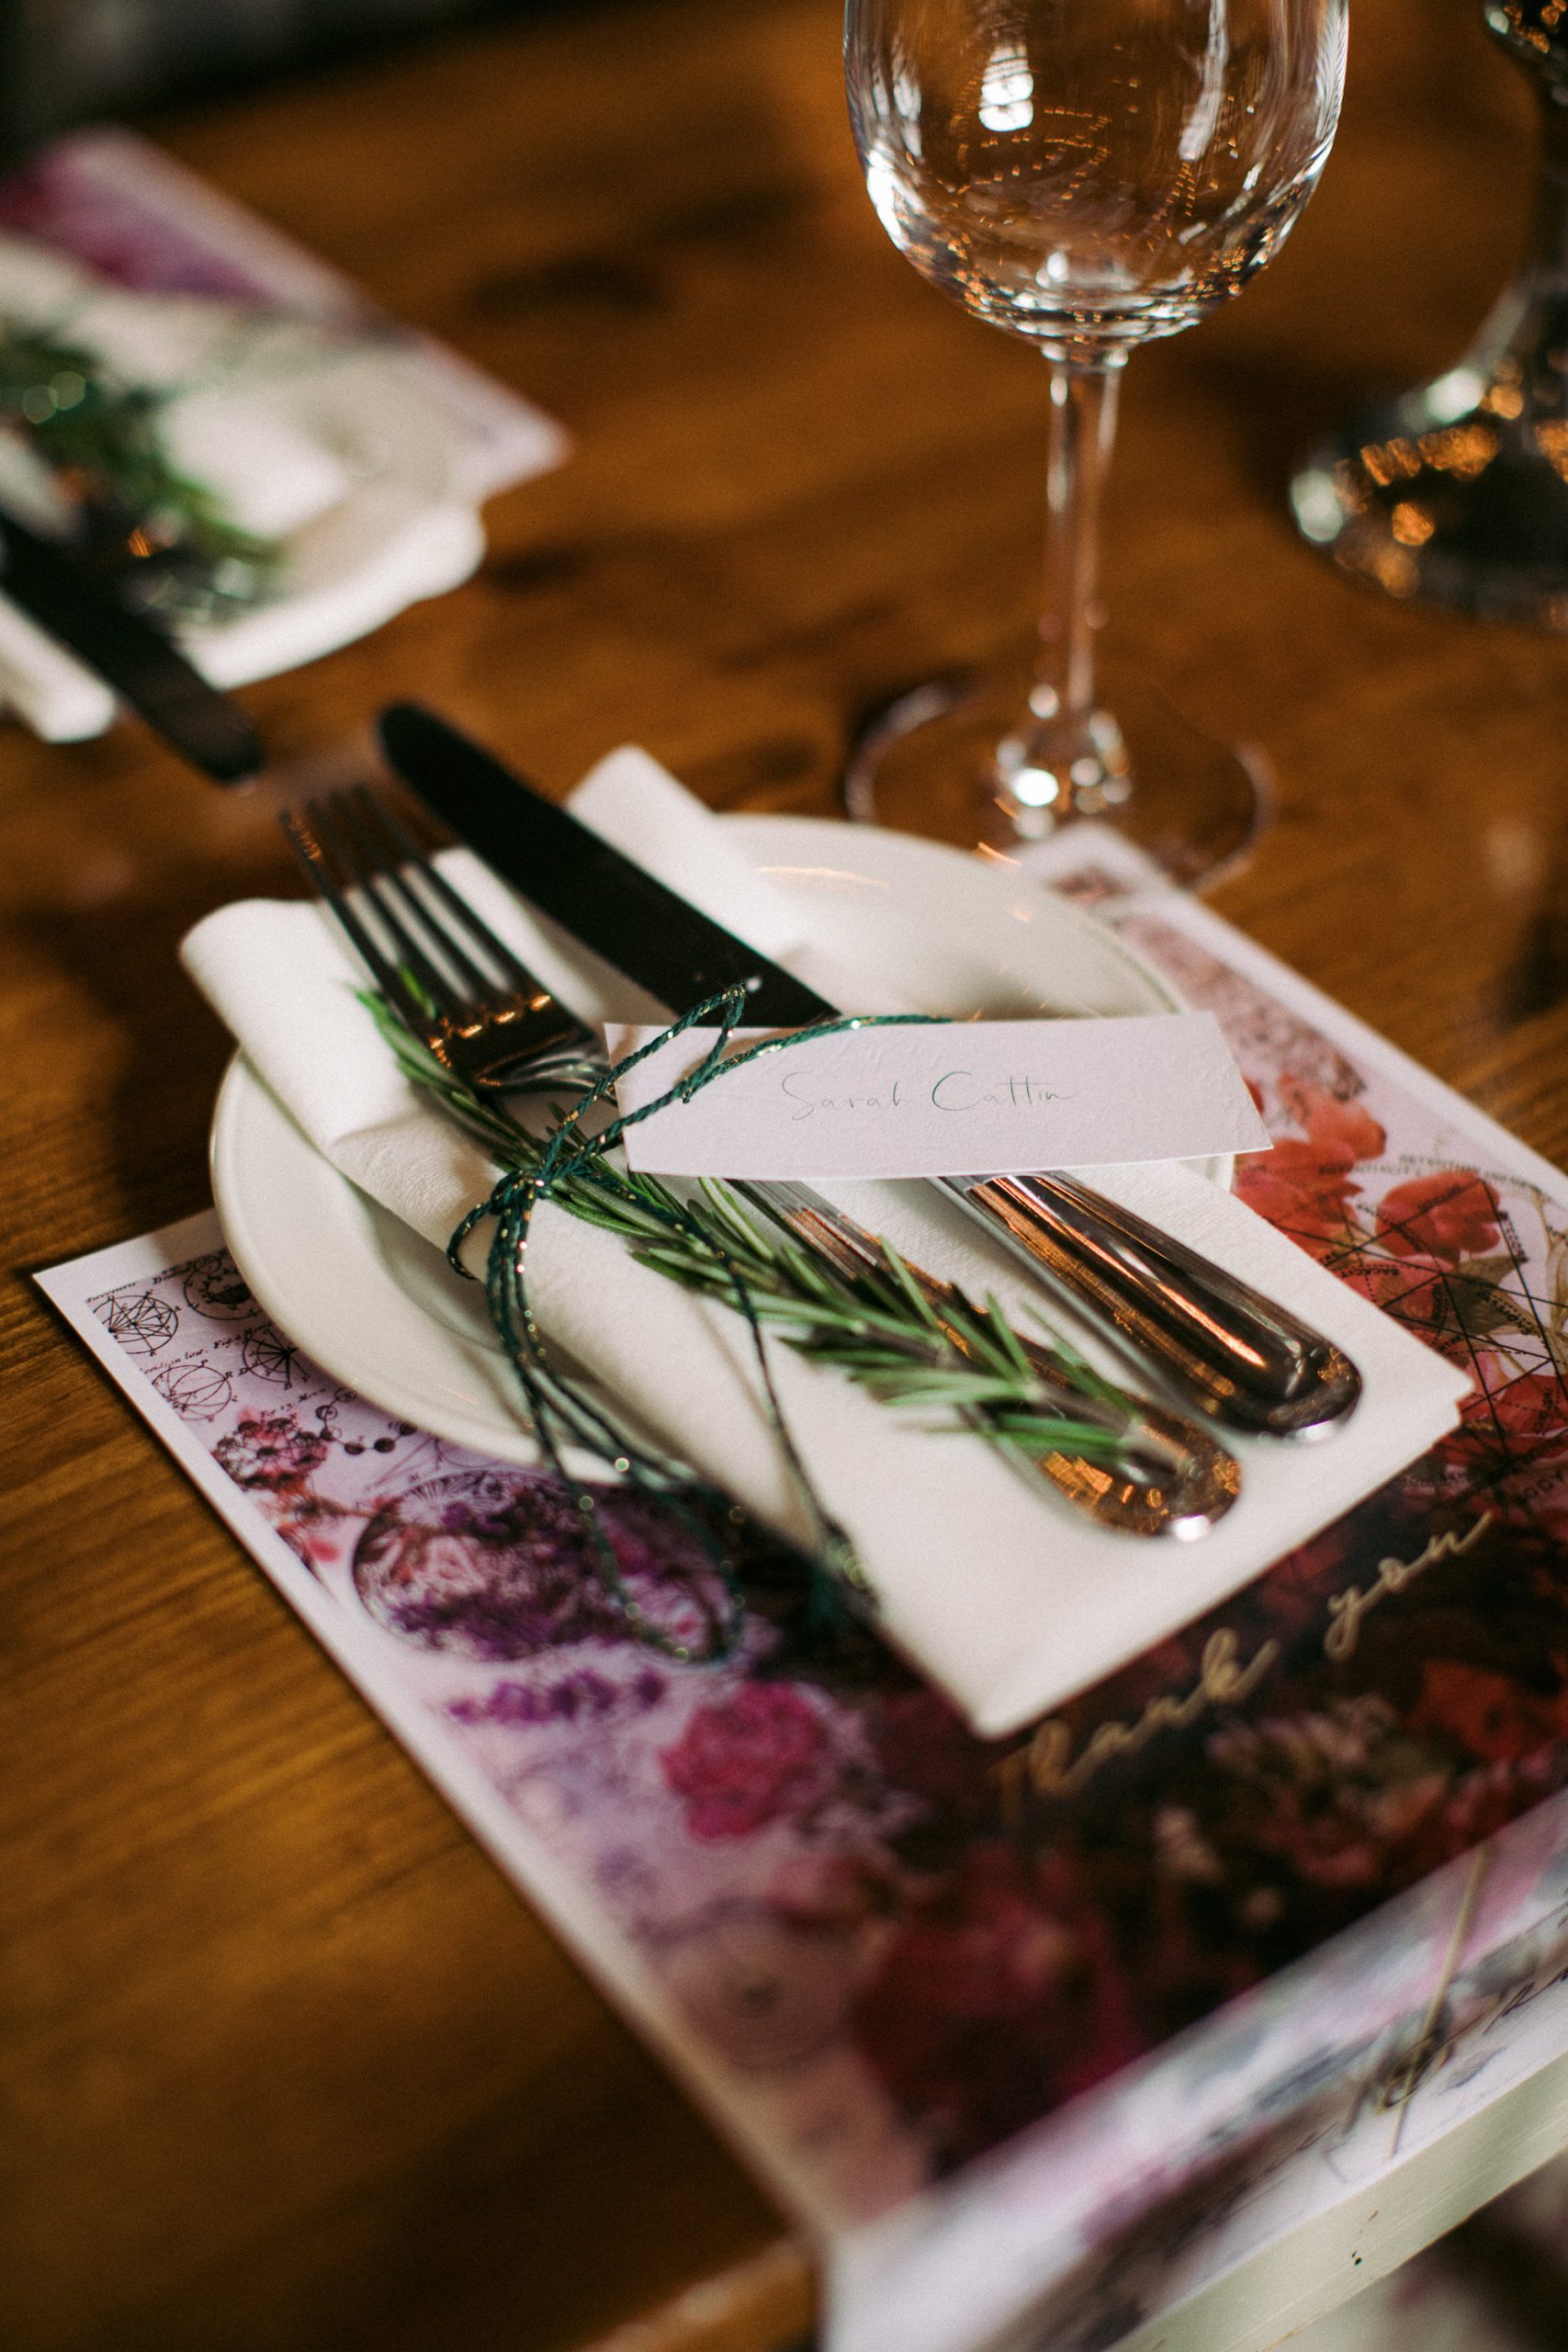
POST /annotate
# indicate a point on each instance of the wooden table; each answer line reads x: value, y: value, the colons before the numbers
x: 288, y: 2065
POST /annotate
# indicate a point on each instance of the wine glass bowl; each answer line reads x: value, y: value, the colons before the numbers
x: 1085, y: 175
x: 1091, y: 174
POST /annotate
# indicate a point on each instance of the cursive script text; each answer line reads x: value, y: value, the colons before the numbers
x: 1347, y: 1609
x: 1047, y: 1766
x: 963, y: 1090
x: 955, y: 1090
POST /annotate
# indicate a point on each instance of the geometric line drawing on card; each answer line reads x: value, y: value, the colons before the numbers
x: 142, y: 1322
x: 215, y: 1287
x: 198, y: 1392
x: 267, y: 1355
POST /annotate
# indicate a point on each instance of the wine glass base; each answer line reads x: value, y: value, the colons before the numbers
x: 929, y: 764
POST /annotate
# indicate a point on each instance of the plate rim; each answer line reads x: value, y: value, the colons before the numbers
x: 242, y: 1093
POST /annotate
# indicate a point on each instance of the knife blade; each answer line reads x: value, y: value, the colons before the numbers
x: 608, y: 901
x: 1235, y: 1355
x: 142, y: 666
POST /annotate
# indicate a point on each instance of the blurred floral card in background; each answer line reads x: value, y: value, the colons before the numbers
x: 250, y: 451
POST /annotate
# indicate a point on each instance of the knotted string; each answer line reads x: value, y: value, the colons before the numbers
x: 559, y: 1408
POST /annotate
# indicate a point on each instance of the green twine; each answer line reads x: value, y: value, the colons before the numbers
x: 559, y: 1409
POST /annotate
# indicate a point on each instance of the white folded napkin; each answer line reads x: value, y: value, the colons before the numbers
x: 990, y: 1583
x: 304, y: 433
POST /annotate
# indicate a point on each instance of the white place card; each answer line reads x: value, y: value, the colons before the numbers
x: 970, y: 1098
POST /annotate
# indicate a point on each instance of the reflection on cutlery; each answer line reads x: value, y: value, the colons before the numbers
x: 1239, y: 1357
x: 1168, y: 1476
x: 1233, y: 1354
x: 464, y: 994
x: 137, y: 660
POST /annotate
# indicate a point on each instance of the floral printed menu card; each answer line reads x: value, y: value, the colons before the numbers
x: 1048, y: 2038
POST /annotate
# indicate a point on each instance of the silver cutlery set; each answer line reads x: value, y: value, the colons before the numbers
x: 1219, y: 1354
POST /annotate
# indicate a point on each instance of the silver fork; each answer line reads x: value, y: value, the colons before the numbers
x: 446, y: 975
x: 502, y: 1030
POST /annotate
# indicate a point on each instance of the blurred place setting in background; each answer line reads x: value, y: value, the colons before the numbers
x: 225, y: 432
x: 790, y: 1454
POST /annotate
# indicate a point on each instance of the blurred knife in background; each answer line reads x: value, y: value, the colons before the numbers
x: 142, y: 666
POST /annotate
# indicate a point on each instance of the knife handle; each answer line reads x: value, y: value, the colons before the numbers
x: 1233, y: 1354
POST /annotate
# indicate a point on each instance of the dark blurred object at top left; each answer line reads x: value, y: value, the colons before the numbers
x: 66, y: 62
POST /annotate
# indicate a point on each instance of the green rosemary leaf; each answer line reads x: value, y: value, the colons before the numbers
x: 161, y: 541
x: 1002, y: 1335
x: 915, y: 1299
x: 1059, y: 1435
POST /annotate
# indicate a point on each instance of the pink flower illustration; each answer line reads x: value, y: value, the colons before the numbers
x: 271, y: 1451
x: 1451, y: 1215
x: 1332, y: 1124
x: 1304, y: 1182
x: 742, y: 1761
x: 833, y: 1890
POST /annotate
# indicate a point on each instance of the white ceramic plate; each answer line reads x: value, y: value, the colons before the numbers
x: 379, y: 1308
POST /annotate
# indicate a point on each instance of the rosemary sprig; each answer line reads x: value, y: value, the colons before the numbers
x: 966, y: 1367
x: 162, y: 541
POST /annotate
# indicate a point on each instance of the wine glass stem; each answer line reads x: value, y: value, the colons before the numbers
x: 1083, y: 428
x: 1062, y: 758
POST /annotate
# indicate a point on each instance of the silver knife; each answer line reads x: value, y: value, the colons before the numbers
x: 1233, y: 1354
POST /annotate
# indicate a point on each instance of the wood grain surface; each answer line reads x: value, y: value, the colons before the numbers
x: 285, y: 2063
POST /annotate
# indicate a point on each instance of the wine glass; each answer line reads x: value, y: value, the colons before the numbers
x: 1086, y: 174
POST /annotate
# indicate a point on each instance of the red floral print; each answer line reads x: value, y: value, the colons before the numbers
x: 1412, y: 1285
x: 743, y: 1761
x: 1304, y: 1182
x: 923, y: 1746
x: 1532, y: 1406
x: 1299, y: 1186
x: 1451, y: 1213
x: 999, y: 1994
x: 1498, y: 1720
x: 1332, y: 1124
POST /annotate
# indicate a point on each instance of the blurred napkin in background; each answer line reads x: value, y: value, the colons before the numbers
x: 313, y: 422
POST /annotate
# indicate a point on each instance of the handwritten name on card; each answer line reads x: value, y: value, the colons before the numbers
x: 971, y: 1098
